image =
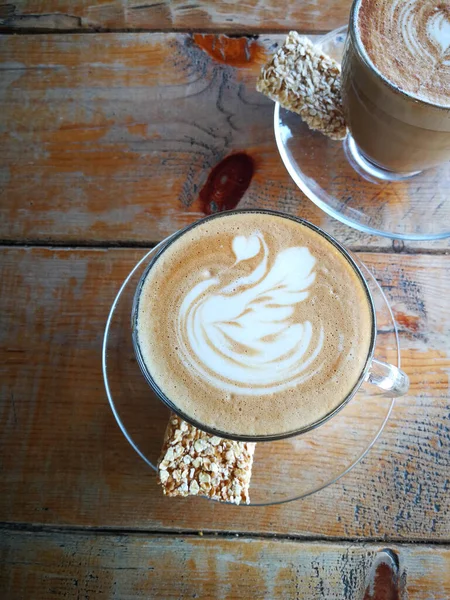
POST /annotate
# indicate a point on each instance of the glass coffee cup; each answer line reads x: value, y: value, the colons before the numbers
x: 394, y: 130
x: 389, y: 379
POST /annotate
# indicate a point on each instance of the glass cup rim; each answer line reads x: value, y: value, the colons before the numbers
x: 251, y: 438
x: 369, y: 64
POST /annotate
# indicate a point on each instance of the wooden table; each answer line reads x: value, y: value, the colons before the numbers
x: 112, y: 116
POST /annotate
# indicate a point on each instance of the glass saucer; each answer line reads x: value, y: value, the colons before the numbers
x: 329, y: 173
x: 283, y: 470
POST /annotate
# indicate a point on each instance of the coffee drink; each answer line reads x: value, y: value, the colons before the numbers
x: 254, y: 324
x: 396, y: 82
x: 408, y: 42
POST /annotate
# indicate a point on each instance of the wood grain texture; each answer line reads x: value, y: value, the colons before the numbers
x: 207, y: 15
x: 65, y: 461
x: 108, y: 139
x: 83, y: 565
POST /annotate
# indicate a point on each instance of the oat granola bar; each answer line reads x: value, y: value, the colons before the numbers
x: 306, y: 81
x: 195, y: 463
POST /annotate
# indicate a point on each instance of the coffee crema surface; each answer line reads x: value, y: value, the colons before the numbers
x: 254, y: 324
x: 408, y: 42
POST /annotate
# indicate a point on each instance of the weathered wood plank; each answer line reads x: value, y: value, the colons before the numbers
x: 83, y: 565
x: 208, y: 15
x: 110, y: 138
x: 65, y: 461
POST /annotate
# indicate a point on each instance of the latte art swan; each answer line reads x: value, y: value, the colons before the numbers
x: 252, y: 324
x: 241, y: 335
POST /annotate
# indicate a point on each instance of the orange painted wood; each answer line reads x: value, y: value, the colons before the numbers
x: 111, y: 138
x: 251, y: 16
x: 85, y: 565
x: 65, y: 461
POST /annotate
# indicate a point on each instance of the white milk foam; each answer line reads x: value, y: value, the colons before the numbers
x: 408, y: 41
x: 253, y: 324
x: 254, y: 312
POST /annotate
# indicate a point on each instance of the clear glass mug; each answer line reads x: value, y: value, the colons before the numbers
x: 393, y: 133
x: 389, y: 380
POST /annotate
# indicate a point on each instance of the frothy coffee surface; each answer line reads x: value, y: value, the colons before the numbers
x: 254, y: 324
x: 408, y: 41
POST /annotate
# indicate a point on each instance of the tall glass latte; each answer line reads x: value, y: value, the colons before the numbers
x: 396, y: 82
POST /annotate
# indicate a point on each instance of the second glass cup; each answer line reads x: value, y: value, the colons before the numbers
x: 397, y: 132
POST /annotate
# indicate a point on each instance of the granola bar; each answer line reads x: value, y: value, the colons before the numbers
x: 306, y: 81
x: 195, y: 463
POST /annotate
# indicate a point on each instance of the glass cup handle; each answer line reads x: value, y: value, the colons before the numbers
x: 391, y: 380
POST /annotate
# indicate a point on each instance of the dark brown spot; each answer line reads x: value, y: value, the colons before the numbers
x: 384, y: 582
x: 234, y: 51
x: 227, y: 183
x: 409, y: 322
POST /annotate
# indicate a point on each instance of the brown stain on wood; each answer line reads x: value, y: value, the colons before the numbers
x: 233, y: 51
x: 384, y: 585
x: 227, y: 183
x: 409, y: 322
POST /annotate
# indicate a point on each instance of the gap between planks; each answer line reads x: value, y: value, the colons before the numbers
x: 229, y: 534
x: 396, y: 248
x: 186, y: 30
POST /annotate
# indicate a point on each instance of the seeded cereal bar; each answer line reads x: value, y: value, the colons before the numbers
x: 195, y: 463
x: 306, y: 81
